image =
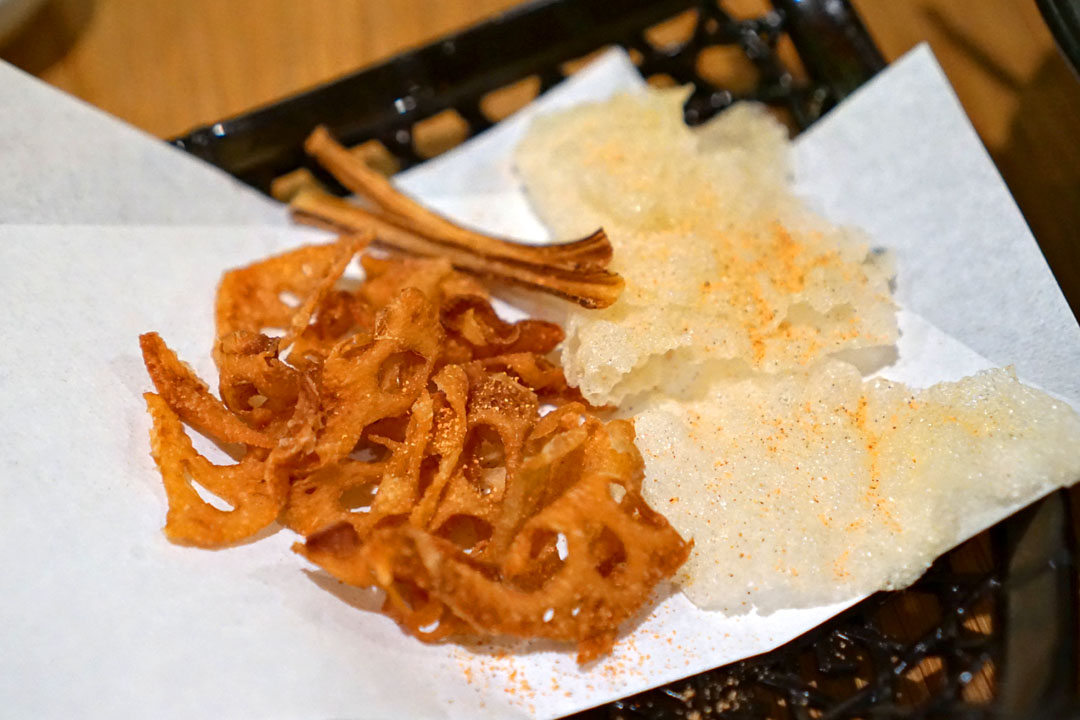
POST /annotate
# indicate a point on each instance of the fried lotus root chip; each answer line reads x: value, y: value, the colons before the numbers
x: 618, y: 549
x: 282, y: 291
x: 500, y: 413
x: 365, y: 493
x: 253, y: 382
x: 338, y: 549
x: 474, y: 320
x: 435, y: 277
x: 254, y: 491
x: 189, y: 397
x: 473, y: 328
x: 294, y: 455
x: 535, y: 372
x: 366, y: 379
x: 397, y: 426
x: 340, y: 314
x: 449, y: 429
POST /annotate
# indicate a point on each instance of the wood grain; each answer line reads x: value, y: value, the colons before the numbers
x: 1021, y: 97
x: 167, y: 66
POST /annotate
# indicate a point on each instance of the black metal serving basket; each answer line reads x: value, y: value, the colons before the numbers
x: 991, y: 630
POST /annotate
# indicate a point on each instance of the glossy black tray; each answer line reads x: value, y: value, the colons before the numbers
x: 385, y: 102
x: 1063, y: 19
x: 991, y: 630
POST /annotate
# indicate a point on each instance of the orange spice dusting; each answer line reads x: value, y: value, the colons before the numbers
x: 757, y: 344
x: 791, y: 278
x: 507, y: 671
x: 873, y: 492
x: 758, y: 270
x: 839, y: 565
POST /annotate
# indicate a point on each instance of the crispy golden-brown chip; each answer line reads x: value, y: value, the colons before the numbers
x: 617, y: 550
x: 253, y: 382
x: 397, y: 426
x: 447, y: 441
x: 256, y: 497
x: 474, y: 320
x: 190, y: 398
x: 340, y: 314
x: 535, y: 372
x: 385, y: 279
x: 367, y: 379
x: 281, y: 292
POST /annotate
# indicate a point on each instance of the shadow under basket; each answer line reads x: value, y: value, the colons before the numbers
x: 991, y: 630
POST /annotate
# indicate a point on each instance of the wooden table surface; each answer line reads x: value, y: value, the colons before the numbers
x: 168, y: 66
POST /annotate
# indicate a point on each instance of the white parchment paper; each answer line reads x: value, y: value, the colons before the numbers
x: 65, y: 162
x: 103, y: 617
